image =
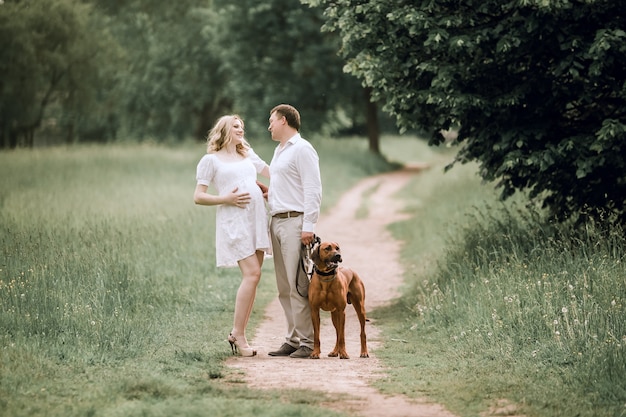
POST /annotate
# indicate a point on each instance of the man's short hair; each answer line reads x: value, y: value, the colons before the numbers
x: 291, y: 115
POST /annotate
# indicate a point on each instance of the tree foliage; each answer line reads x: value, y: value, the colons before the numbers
x: 168, y: 82
x: 535, y: 86
x: 50, y: 64
x: 101, y: 70
x: 276, y: 53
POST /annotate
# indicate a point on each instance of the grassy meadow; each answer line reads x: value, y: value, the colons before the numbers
x: 501, y: 307
x: 110, y: 303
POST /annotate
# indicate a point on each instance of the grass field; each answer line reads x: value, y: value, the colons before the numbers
x: 110, y: 303
x: 502, y: 308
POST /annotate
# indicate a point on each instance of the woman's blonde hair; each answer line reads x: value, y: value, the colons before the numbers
x: 221, y: 135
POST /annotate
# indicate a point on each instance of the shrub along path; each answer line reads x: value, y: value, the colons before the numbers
x: 358, y: 224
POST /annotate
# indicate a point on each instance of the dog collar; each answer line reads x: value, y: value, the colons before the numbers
x: 332, y: 272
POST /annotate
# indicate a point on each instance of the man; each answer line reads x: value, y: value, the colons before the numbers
x: 294, y: 198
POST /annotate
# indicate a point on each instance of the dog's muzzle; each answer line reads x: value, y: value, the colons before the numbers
x: 334, y: 261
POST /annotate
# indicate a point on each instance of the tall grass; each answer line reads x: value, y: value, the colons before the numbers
x: 83, y: 245
x: 503, y: 304
x: 108, y: 279
x: 110, y: 303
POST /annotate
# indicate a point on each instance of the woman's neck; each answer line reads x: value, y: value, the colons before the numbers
x: 229, y: 154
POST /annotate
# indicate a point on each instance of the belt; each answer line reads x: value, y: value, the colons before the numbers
x: 288, y: 214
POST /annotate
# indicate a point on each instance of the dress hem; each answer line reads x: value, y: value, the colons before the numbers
x: 232, y: 264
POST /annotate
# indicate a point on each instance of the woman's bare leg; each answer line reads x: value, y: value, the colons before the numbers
x: 260, y: 256
x: 250, y: 276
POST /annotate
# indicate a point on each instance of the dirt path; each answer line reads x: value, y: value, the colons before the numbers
x: 358, y: 223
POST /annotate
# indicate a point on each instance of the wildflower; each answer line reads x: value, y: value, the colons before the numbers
x: 564, y: 310
x: 557, y: 333
x: 555, y: 322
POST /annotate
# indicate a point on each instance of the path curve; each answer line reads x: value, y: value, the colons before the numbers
x: 359, y: 224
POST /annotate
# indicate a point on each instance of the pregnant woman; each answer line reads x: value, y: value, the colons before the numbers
x: 242, y: 237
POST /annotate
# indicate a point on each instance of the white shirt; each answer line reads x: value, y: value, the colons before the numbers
x: 295, y: 181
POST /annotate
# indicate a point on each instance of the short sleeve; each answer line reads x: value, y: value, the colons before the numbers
x: 258, y: 163
x: 205, y: 170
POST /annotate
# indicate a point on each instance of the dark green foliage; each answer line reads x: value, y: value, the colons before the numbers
x: 169, y: 82
x: 537, y: 87
x: 276, y: 54
x: 51, y: 64
x: 98, y: 70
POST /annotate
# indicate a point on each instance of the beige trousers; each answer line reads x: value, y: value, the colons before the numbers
x: 286, y: 237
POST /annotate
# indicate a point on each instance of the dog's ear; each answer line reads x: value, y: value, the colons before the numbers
x: 315, y: 254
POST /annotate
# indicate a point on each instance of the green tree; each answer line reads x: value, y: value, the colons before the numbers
x: 276, y: 53
x: 170, y: 82
x: 536, y: 87
x: 49, y: 60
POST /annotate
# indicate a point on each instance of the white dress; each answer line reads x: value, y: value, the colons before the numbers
x: 239, y: 232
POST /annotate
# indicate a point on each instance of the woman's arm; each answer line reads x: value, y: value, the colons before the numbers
x: 203, y: 198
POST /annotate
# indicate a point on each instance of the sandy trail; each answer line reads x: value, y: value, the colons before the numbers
x: 358, y: 223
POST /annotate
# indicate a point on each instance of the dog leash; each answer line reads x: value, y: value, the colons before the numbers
x: 306, y: 264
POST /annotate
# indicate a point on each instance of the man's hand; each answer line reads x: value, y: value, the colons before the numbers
x: 308, y: 238
x: 264, y: 188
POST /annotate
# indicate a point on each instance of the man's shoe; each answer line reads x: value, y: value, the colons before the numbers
x: 302, y: 352
x: 285, y: 350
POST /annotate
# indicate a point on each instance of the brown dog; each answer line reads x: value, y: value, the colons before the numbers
x: 333, y: 287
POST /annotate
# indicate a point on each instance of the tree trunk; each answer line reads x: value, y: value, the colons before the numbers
x: 209, y: 114
x: 70, y: 135
x: 29, y: 137
x: 371, y: 121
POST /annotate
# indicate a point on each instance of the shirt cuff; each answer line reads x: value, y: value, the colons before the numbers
x: 308, y: 227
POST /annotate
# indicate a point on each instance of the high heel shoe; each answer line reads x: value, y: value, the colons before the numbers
x: 243, y: 351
